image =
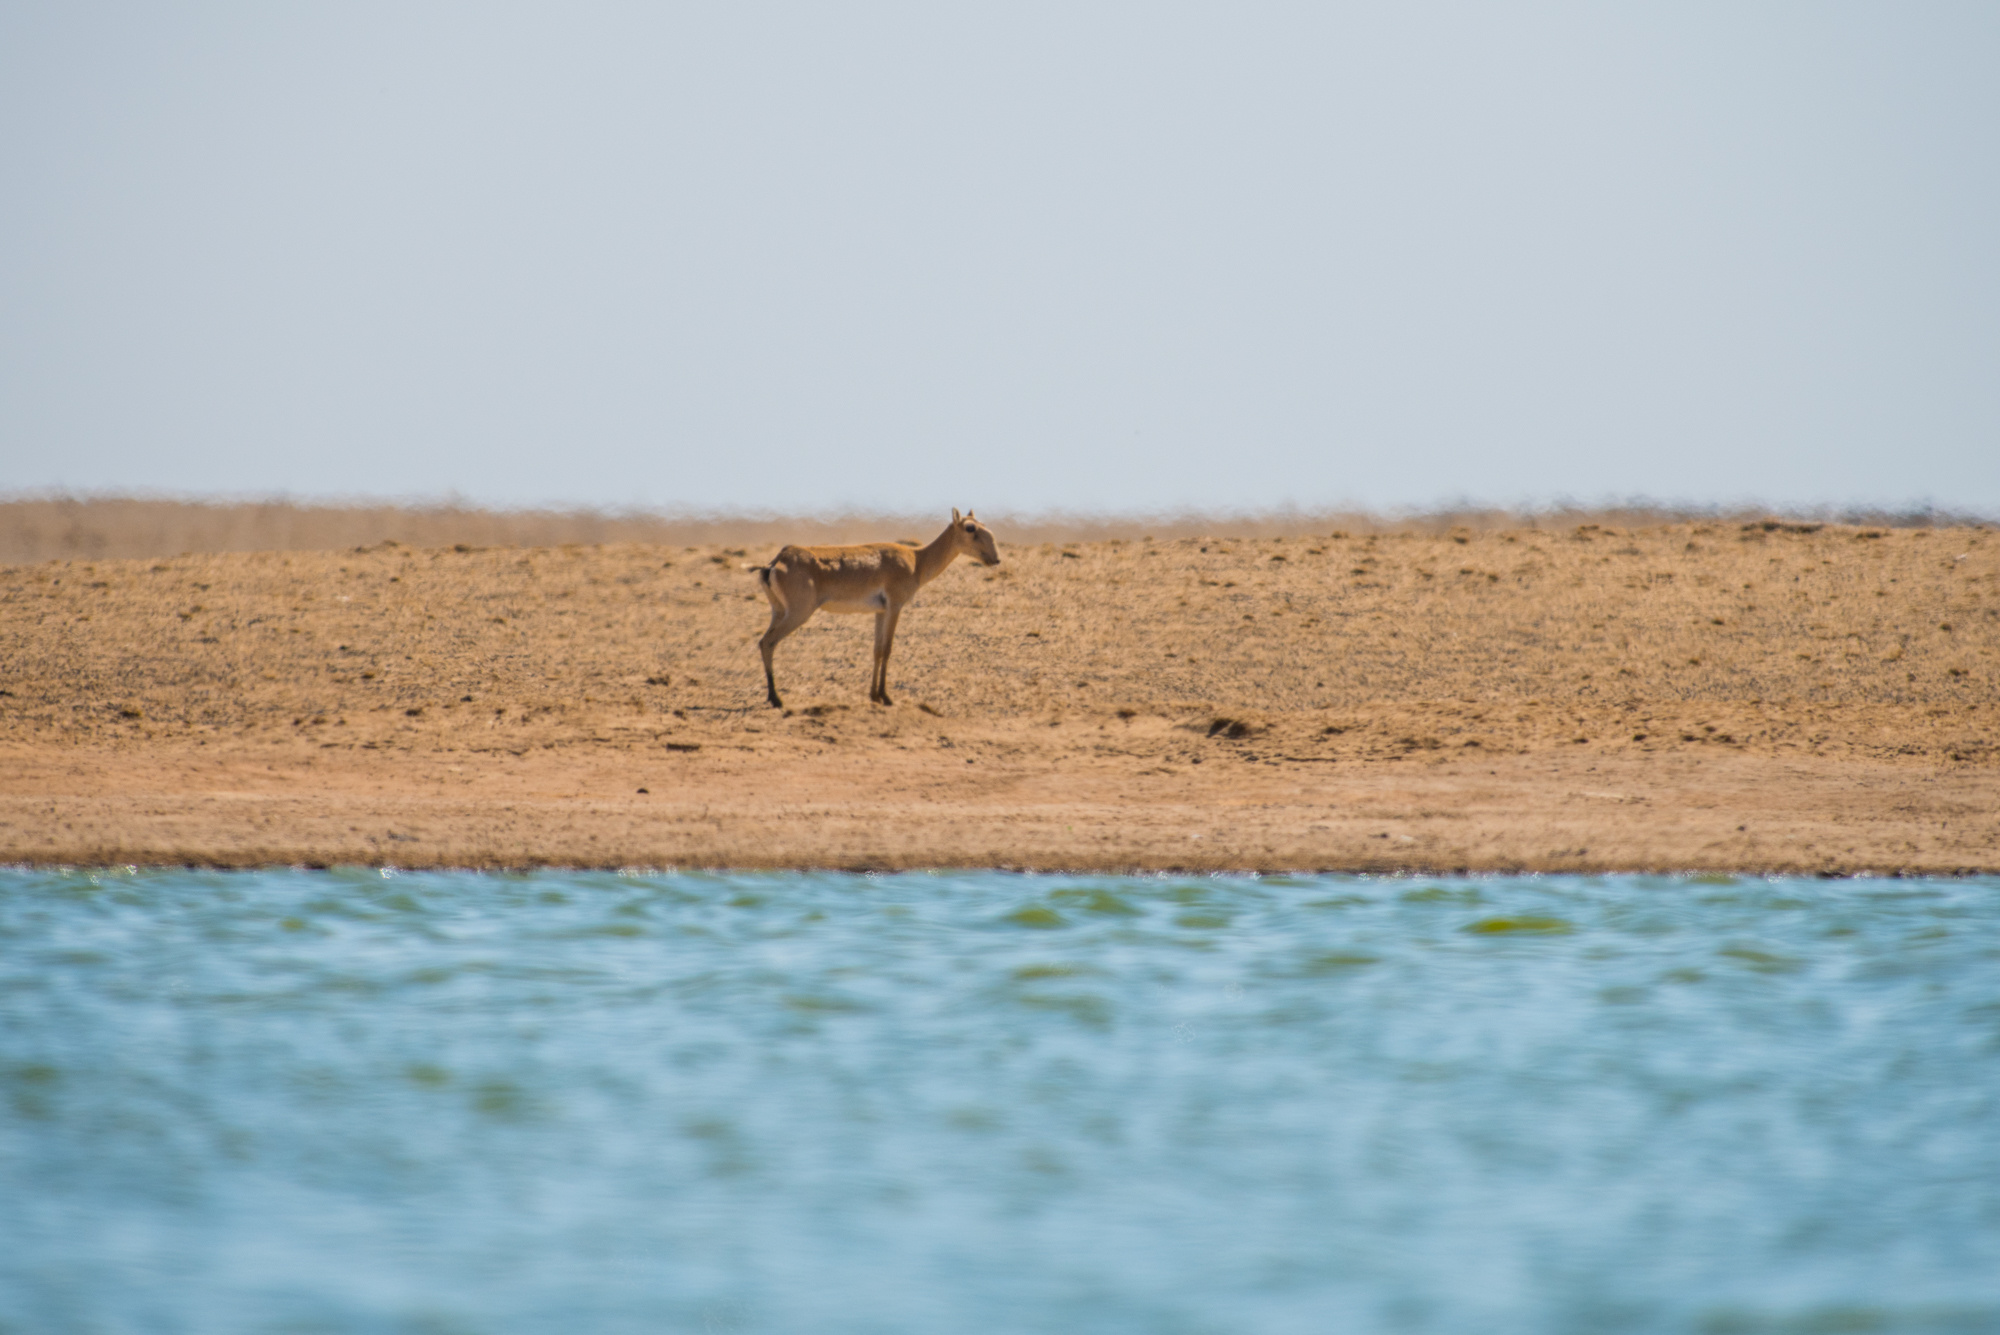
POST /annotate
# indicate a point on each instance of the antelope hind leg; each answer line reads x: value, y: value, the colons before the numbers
x: 783, y: 623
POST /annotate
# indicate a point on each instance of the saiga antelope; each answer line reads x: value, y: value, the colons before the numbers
x: 878, y: 577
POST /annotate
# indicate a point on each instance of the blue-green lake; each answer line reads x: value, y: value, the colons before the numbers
x: 292, y: 1101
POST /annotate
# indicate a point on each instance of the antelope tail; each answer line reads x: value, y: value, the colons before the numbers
x: 771, y: 589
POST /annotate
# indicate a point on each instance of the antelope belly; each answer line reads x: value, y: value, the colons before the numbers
x: 874, y: 602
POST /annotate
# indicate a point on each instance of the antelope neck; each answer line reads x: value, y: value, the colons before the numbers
x: 935, y: 555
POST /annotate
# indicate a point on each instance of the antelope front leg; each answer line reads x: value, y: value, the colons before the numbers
x: 885, y: 636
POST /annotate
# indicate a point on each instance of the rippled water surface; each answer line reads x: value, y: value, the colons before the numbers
x: 325, y: 1101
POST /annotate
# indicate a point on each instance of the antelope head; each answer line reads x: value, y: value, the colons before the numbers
x: 974, y: 538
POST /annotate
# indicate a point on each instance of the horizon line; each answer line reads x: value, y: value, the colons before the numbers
x: 1637, y: 508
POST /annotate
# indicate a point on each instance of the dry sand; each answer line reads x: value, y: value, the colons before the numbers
x: 1676, y: 696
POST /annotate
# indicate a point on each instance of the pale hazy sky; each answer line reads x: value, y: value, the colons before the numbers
x: 1021, y: 256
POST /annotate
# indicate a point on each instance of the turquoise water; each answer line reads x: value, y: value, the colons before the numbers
x: 364, y: 1101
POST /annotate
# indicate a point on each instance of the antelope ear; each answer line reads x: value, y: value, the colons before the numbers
x: 954, y: 514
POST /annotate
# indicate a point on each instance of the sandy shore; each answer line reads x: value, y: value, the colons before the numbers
x: 1698, y: 696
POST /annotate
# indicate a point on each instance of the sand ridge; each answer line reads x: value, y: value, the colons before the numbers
x: 1085, y: 704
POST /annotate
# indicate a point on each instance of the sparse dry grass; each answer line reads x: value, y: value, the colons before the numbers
x: 53, y: 528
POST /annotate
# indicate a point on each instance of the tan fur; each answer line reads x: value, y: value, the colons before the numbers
x: 877, y: 577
